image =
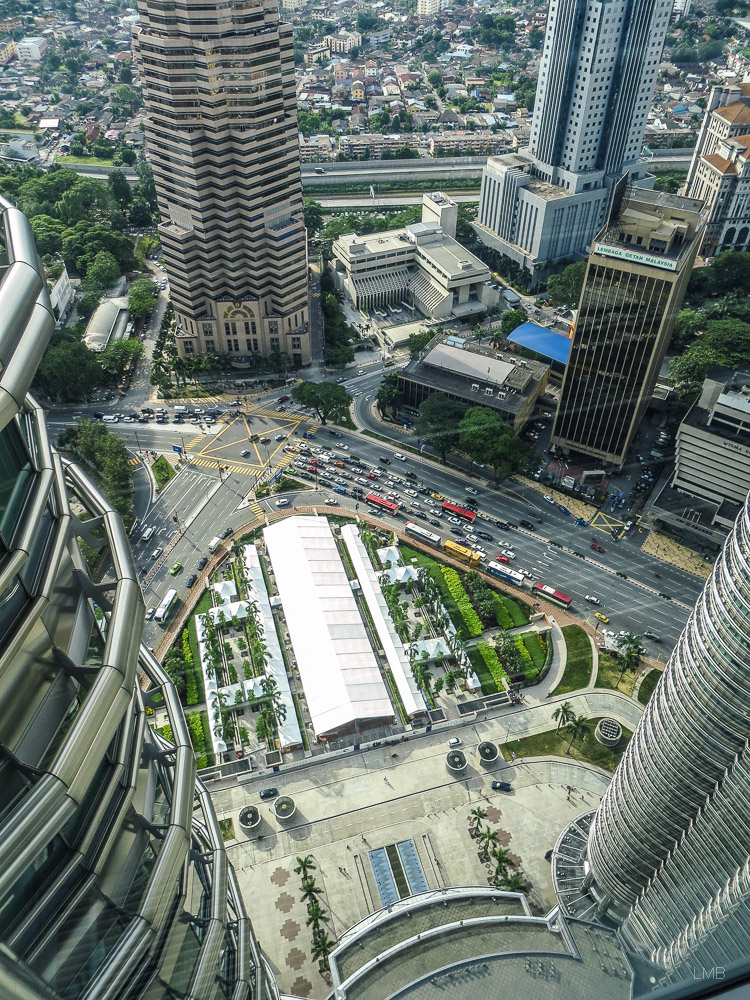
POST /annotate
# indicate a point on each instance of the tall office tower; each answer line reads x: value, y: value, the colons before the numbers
x: 719, y: 171
x: 669, y: 847
x: 596, y: 80
x: 114, y: 881
x: 221, y: 132
x: 635, y: 282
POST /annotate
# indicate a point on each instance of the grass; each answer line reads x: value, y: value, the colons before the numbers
x: 609, y: 674
x: 648, y: 684
x: 226, y: 826
x: 343, y: 420
x: 163, y: 472
x: 200, y: 609
x: 519, y: 611
x: 556, y: 745
x: 88, y: 161
x: 580, y: 661
x: 481, y: 669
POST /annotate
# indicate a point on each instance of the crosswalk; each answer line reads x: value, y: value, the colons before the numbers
x: 257, y: 509
x: 212, y: 463
x: 135, y: 461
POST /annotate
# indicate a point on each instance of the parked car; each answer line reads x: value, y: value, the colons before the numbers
x: 502, y: 786
x: 202, y: 562
x: 269, y: 793
x: 550, y: 499
x: 455, y: 741
x: 244, y: 453
x: 283, y: 502
x: 190, y: 582
x: 225, y: 533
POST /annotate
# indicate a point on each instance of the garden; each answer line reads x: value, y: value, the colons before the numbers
x: 579, y: 662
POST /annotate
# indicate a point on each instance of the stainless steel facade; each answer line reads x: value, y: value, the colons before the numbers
x: 114, y: 882
x: 669, y: 848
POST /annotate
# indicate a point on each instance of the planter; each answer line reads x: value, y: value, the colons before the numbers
x: 455, y: 761
x: 608, y: 732
x: 488, y: 753
x: 284, y: 808
x: 249, y: 817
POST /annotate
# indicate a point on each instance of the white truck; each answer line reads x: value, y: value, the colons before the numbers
x: 214, y: 544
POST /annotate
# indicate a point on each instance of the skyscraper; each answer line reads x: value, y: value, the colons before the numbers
x: 221, y: 132
x: 635, y: 281
x: 596, y: 79
x: 114, y: 880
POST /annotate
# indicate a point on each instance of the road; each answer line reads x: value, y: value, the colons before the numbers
x: 357, y: 203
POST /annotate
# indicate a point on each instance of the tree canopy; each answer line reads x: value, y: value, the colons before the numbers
x: 322, y: 397
x: 511, y: 321
x: 487, y: 439
x: 141, y: 298
x: 565, y: 289
x: 438, y: 423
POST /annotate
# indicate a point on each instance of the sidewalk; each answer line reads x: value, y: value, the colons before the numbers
x: 669, y: 551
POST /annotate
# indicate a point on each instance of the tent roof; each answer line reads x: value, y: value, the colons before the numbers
x: 542, y: 340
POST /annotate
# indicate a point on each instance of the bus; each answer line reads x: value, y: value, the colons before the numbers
x: 166, y: 606
x: 422, y: 533
x: 387, y: 505
x: 506, y: 573
x: 456, y: 511
x: 461, y: 552
x: 550, y: 594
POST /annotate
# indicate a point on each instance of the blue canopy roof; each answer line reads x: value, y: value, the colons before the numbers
x: 545, y: 342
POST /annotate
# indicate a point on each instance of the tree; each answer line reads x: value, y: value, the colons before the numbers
x: 565, y: 289
x: 418, y: 341
x: 141, y: 298
x: 438, y: 423
x: 563, y: 713
x: 119, y: 188
x: 140, y: 213
x: 511, y: 320
x: 434, y: 78
x: 630, y: 653
x: 536, y: 37
x: 322, y: 946
x: 69, y: 371
x: 312, y: 212
x: 304, y: 865
x: 686, y: 328
x: 507, y: 651
x: 103, y: 271
x: 514, y: 883
x: 118, y: 356
x: 489, y: 840
x: 486, y: 438
x: 126, y: 74
x: 322, y: 397
x: 478, y: 814
x: 389, y: 395
x: 577, y: 727
x: 48, y: 234
x: 126, y: 95
x: 310, y: 891
x: 316, y: 914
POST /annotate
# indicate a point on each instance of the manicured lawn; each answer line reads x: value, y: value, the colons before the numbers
x: 556, y: 744
x: 481, y: 669
x: 609, y: 674
x: 580, y: 661
x: 89, y: 161
x: 519, y: 611
x: 433, y: 568
x: 648, y: 684
x: 162, y: 471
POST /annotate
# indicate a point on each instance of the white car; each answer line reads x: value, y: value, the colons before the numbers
x: 509, y: 553
x: 360, y: 371
x: 454, y: 520
x: 472, y: 538
x: 410, y: 493
x: 470, y: 489
x: 455, y: 741
x: 282, y: 503
x: 343, y: 447
x: 550, y: 499
x: 399, y: 456
x: 591, y: 599
x: 331, y: 502
x: 430, y: 503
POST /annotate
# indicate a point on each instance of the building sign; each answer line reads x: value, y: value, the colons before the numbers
x: 636, y: 257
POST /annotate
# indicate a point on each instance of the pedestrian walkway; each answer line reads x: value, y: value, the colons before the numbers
x: 670, y: 551
x: 576, y: 507
x: 256, y: 508
x: 135, y: 461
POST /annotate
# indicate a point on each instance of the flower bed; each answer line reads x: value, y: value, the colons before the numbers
x: 471, y: 619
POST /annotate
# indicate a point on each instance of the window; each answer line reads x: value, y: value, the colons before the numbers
x: 210, y: 346
x: 227, y: 329
x: 296, y: 343
x: 273, y: 327
x: 247, y: 330
x: 254, y: 331
x: 207, y: 330
x: 274, y: 343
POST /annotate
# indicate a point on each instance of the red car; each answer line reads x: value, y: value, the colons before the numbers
x: 284, y: 399
x: 503, y: 559
x: 596, y: 547
x: 370, y: 476
x: 311, y: 468
x: 314, y: 461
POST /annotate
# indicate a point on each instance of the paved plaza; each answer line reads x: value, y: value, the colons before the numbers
x: 347, y: 806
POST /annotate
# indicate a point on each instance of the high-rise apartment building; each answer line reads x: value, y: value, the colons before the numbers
x: 596, y: 80
x: 221, y: 132
x: 114, y: 879
x: 635, y: 281
x: 719, y: 172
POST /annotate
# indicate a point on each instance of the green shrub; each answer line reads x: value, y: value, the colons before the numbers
x: 471, y: 619
x: 502, y: 614
x: 492, y: 663
x: 197, y: 737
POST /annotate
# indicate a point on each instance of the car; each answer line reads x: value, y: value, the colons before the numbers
x: 469, y: 502
x: 235, y: 402
x: 383, y: 460
x: 563, y: 508
x: 279, y: 437
x: 455, y: 531
x: 269, y: 793
x: 591, y: 599
x: 455, y: 741
x: 597, y: 547
x: 283, y: 502
x: 244, y: 453
x: 470, y: 489
x: 341, y: 378
x: 420, y: 514
x: 399, y: 456
x: 202, y: 562
x: 150, y: 614
x: 284, y: 399
x: 190, y: 582
x: 193, y: 420
x: 157, y: 552
x: 331, y: 502
x: 527, y: 524
x: 434, y: 521
x: 654, y: 636
x: 225, y: 533
x: 501, y: 786
x: 485, y: 535
x: 472, y: 538
x: 602, y: 617
x: 454, y: 520
x: 371, y: 475
x: 175, y: 569
x: 502, y: 559
x: 265, y: 440
x: 360, y: 371
x: 502, y: 525
x: 509, y: 553
x: 343, y: 447
x: 550, y: 499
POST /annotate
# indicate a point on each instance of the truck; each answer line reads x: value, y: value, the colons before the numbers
x: 512, y: 298
x: 214, y: 544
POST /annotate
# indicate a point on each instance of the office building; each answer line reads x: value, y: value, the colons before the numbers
x: 635, y: 281
x: 114, y: 879
x: 475, y: 376
x: 599, y: 63
x: 221, y: 133
x: 719, y: 172
x: 31, y: 49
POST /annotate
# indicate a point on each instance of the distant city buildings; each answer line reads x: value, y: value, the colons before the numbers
x: 637, y: 271
x: 596, y: 80
x: 720, y: 169
x: 221, y: 131
x: 31, y: 49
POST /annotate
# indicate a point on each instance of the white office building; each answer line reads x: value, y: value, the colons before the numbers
x: 31, y: 49
x: 596, y: 80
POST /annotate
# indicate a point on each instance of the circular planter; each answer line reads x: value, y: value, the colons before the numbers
x: 249, y: 817
x: 488, y: 753
x: 455, y: 761
x: 284, y: 808
x: 608, y: 732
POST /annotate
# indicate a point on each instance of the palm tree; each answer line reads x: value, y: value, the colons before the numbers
x: 304, y: 865
x: 322, y: 946
x: 316, y: 914
x: 578, y: 728
x: 310, y: 891
x: 564, y: 713
x: 477, y: 814
x: 489, y: 838
x: 514, y: 883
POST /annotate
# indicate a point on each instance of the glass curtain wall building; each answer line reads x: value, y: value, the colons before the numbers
x: 114, y: 882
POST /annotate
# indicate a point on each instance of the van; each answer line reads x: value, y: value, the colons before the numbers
x: 110, y: 418
x: 180, y: 409
x: 340, y: 489
x: 214, y: 544
x: 147, y: 534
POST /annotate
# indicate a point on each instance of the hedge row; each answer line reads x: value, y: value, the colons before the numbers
x: 494, y: 665
x: 191, y: 684
x: 502, y: 614
x: 537, y: 647
x: 519, y: 614
x: 198, y: 738
x: 471, y: 619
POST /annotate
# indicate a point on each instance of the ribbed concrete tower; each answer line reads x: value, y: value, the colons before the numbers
x: 114, y: 879
x: 218, y: 86
x: 669, y: 847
